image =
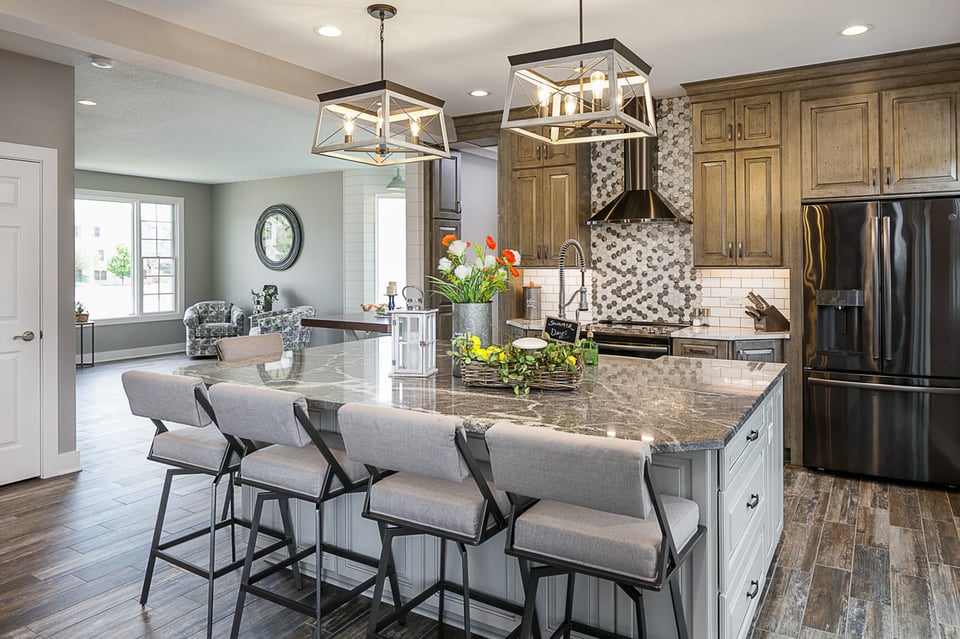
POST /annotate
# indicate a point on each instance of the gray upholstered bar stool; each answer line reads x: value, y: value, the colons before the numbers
x: 297, y: 463
x: 424, y: 480
x: 201, y: 450
x: 586, y: 504
x: 230, y: 349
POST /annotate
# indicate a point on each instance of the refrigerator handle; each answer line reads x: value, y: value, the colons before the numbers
x: 887, y: 295
x: 877, y: 305
x: 932, y: 390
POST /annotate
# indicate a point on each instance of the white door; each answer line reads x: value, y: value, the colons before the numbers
x: 19, y: 320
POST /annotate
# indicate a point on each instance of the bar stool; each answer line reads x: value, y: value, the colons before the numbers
x: 201, y: 450
x: 297, y: 463
x: 424, y: 480
x: 230, y: 349
x: 586, y: 504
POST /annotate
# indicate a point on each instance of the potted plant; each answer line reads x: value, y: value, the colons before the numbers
x: 82, y: 314
x: 263, y: 300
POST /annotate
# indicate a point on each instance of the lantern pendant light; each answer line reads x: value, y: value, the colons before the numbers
x: 381, y: 123
x: 578, y: 93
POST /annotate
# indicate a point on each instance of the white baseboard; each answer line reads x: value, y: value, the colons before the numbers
x: 62, y: 464
x: 131, y: 353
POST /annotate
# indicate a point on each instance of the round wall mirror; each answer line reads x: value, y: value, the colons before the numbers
x: 278, y: 237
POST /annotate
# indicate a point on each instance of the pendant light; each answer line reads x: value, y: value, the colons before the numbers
x: 577, y: 93
x: 397, y: 183
x: 381, y: 123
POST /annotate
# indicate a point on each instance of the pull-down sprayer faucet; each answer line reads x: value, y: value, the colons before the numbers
x: 582, y: 306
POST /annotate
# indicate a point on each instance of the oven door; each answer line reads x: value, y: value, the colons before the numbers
x: 645, y: 350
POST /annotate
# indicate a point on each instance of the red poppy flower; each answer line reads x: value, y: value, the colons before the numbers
x: 509, y: 256
x: 501, y: 262
x: 448, y: 240
x: 491, y: 244
x: 514, y: 271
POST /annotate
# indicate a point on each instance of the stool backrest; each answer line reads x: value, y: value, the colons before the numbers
x: 168, y: 398
x: 259, y: 414
x: 403, y: 440
x: 231, y: 349
x: 585, y: 470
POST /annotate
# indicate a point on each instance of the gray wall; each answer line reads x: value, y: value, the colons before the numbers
x: 197, y: 257
x: 316, y: 278
x: 36, y: 108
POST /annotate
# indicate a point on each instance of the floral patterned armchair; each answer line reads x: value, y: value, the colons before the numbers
x: 285, y: 321
x: 210, y: 321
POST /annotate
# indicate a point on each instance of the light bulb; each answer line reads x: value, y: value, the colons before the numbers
x: 543, y: 95
x: 415, y: 131
x: 597, y: 82
x: 348, y: 130
x: 620, y: 97
x: 570, y: 104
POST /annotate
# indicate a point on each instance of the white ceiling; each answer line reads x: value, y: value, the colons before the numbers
x: 153, y: 123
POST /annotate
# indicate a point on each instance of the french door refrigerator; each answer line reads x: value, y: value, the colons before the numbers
x: 882, y: 338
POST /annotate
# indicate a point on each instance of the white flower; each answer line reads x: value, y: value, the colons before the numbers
x: 516, y: 255
x: 489, y: 261
x: 457, y: 247
x: 461, y: 271
x: 445, y: 264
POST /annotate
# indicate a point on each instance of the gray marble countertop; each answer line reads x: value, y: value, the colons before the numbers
x: 675, y: 403
x: 727, y: 334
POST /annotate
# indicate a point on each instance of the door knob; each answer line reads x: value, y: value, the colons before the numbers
x: 27, y: 336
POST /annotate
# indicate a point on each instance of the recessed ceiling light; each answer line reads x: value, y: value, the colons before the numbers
x: 479, y: 93
x: 856, y: 29
x: 101, y: 62
x: 87, y: 102
x: 328, y: 31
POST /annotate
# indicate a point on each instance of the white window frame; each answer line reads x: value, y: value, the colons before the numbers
x: 136, y: 264
x: 379, y: 294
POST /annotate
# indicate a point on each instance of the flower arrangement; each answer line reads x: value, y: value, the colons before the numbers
x: 474, y: 276
x: 558, y: 365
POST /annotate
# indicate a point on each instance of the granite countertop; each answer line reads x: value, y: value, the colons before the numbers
x: 527, y: 324
x: 728, y: 334
x: 676, y: 404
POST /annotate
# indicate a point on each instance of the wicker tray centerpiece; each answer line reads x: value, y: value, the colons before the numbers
x: 555, y: 366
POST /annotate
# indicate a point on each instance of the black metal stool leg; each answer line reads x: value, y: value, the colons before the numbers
x: 395, y: 590
x: 157, y: 530
x: 529, y: 604
x: 284, y: 505
x: 233, y: 517
x: 318, y: 558
x: 212, y: 568
x: 442, y: 583
x: 385, y: 560
x: 247, y: 566
x: 568, y: 609
x: 466, y: 589
x: 682, y: 631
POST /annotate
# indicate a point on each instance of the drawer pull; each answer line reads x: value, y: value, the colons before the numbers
x: 754, y: 589
x: 753, y: 436
x: 754, y: 501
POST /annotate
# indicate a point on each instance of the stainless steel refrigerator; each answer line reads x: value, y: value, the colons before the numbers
x: 882, y: 338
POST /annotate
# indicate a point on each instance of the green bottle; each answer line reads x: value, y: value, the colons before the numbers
x: 591, y: 353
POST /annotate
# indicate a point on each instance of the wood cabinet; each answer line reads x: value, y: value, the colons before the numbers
x: 747, y: 350
x: 442, y: 183
x: 742, y: 123
x: 737, y: 208
x: 894, y: 142
x: 527, y: 153
x: 446, y: 188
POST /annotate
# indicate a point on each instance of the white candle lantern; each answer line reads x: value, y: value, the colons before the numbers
x: 414, y: 338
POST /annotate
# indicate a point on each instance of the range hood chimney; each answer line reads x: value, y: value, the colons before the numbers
x: 639, y: 202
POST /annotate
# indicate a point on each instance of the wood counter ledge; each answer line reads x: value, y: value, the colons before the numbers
x: 676, y: 404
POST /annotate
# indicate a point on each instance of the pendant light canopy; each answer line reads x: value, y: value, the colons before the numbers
x: 381, y: 123
x: 577, y: 93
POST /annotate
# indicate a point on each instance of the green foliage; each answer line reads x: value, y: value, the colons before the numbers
x: 516, y: 366
x: 119, y: 263
x: 81, y: 309
x: 473, y: 276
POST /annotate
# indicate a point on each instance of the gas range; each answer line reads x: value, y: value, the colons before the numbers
x: 649, y: 340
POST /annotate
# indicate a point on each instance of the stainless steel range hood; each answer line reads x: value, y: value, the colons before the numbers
x: 640, y: 202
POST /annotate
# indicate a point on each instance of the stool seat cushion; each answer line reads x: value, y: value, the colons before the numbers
x: 201, y: 447
x: 615, y: 543
x: 296, y: 470
x: 455, y: 507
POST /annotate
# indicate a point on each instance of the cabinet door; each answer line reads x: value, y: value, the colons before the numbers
x: 714, y: 223
x: 758, y: 350
x: 757, y: 121
x: 758, y: 207
x: 526, y: 215
x: 560, y: 215
x: 437, y: 250
x: 919, y: 139
x: 703, y: 348
x: 713, y: 126
x: 525, y: 152
x: 559, y: 154
x: 446, y: 187
x: 840, y: 146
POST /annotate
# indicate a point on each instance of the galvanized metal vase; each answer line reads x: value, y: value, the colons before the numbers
x: 475, y: 318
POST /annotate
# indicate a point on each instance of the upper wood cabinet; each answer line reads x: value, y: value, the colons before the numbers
x: 446, y: 187
x: 742, y: 123
x: 894, y: 142
x: 737, y: 208
x: 527, y: 153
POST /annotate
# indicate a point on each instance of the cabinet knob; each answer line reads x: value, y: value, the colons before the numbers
x: 754, y: 589
x: 753, y: 436
x: 754, y: 501
x: 740, y: 248
x: 889, y: 176
x: 873, y: 172
x: 729, y: 249
x: 729, y: 132
x: 739, y: 131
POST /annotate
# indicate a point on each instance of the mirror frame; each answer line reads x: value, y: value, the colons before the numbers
x: 287, y: 213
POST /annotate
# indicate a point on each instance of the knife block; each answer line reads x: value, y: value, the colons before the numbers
x: 771, y: 321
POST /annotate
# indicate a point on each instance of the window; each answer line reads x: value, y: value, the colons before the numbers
x: 130, y: 268
x: 391, y: 244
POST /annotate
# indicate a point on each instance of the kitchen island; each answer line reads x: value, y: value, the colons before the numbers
x: 715, y: 427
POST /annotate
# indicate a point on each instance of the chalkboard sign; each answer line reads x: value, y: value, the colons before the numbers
x: 562, y: 330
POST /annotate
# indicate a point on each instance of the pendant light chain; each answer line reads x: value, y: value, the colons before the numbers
x: 581, y: 21
x: 381, y: 43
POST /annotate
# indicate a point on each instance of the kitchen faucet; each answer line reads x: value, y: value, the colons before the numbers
x: 582, y: 306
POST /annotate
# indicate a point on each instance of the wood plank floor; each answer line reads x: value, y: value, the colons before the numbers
x: 858, y: 558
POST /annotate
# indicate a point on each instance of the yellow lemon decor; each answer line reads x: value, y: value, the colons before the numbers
x: 555, y: 366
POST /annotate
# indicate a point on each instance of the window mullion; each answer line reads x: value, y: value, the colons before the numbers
x: 137, y: 259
